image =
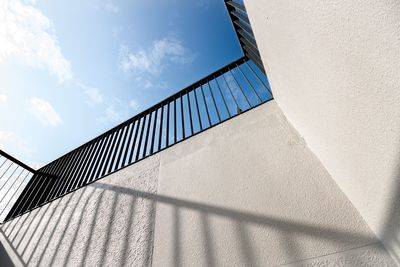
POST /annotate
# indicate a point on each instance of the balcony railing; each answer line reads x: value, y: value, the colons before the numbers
x: 14, y: 175
x: 244, y: 32
x: 225, y: 93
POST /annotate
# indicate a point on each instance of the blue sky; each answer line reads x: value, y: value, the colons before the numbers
x: 69, y: 70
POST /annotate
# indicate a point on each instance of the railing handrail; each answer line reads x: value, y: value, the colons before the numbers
x: 153, y: 107
x: 8, y: 156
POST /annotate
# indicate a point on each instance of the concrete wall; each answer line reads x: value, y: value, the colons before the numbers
x: 250, y: 193
x: 334, y: 70
x: 245, y: 193
x: 108, y: 223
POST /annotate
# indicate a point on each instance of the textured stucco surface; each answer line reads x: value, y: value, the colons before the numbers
x: 334, y: 69
x: 108, y: 223
x: 250, y: 193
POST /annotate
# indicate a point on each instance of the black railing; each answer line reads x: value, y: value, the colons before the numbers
x: 14, y: 175
x: 223, y: 94
x: 244, y: 32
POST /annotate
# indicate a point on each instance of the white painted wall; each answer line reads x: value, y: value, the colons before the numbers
x: 107, y: 223
x: 334, y: 67
x: 250, y: 193
x: 245, y: 193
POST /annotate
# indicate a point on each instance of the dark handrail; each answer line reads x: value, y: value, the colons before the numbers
x: 217, y: 97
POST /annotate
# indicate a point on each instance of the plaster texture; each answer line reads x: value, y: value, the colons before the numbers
x: 250, y: 193
x: 107, y: 223
x: 334, y: 70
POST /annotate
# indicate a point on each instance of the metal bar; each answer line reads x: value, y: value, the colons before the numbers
x: 154, y: 132
x: 248, y: 37
x: 161, y: 128
x: 26, y: 196
x: 139, y: 115
x: 9, y: 178
x: 243, y: 27
x: 182, y: 118
x: 23, y: 196
x: 251, y: 85
x: 123, y: 145
x: 68, y: 169
x: 248, y: 102
x: 99, y: 161
x: 240, y: 16
x: 205, y: 104
x: 88, y: 165
x: 111, y: 150
x: 198, y: 110
x: 237, y: 5
x: 215, y: 104
x: 76, y: 173
x: 230, y: 90
x: 39, y: 193
x: 167, y: 140
x: 6, y: 170
x: 104, y: 160
x: 4, y: 195
x: 147, y: 134
x: 249, y: 54
x: 5, y: 160
x: 140, y: 138
x: 80, y: 174
x: 175, y: 120
x: 258, y: 78
x: 190, y: 113
x: 131, y: 159
x: 250, y: 47
x: 115, y: 150
x: 94, y: 161
x: 222, y: 95
x: 129, y: 142
x: 8, y: 202
x: 4, y: 154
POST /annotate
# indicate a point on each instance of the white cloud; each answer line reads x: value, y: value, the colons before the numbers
x: 94, y: 95
x: 156, y: 57
x: 111, y: 7
x: 3, y: 100
x: 112, y: 115
x: 45, y: 112
x: 134, y: 104
x: 27, y: 35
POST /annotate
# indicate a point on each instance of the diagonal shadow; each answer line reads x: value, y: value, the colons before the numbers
x: 243, y: 216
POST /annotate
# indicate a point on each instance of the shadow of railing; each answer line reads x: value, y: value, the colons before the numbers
x: 104, y: 224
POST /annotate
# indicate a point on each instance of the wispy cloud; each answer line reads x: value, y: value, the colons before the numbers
x: 134, y: 105
x: 27, y: 35
x: 154, y: 59
x: 3, y: 100
x: 110, y: 6
x: 45, y: 112
x: 94, y: 96
x: 113, y: 115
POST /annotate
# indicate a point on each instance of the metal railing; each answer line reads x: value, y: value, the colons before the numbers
x: 225, y: 93
x: 14, y: 175
x: 244, y: 32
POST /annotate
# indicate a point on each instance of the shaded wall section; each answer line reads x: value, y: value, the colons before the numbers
x: 334, y: 70
x: 250, y: 193
x: 102, y: 224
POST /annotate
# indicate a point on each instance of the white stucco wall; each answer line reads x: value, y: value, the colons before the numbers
x: 250, y: 193
x: 107, y: 223
x: 334, y: 67
x: 245, y: 193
